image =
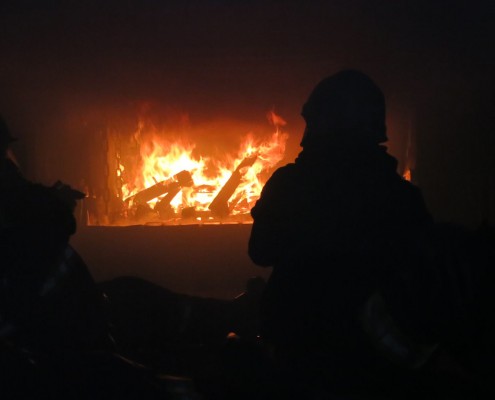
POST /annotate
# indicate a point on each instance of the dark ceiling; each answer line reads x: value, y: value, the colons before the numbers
x: 231, y: 57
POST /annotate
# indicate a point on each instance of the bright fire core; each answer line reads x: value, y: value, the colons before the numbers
x: 234, y: 181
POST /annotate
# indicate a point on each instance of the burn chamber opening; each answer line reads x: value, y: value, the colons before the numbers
x: 153, y: 176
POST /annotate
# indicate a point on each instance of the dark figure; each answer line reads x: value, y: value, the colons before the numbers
x: 443, y: 295
x: 332, y: 225
x: 246, y: 309
x: 51, y: 312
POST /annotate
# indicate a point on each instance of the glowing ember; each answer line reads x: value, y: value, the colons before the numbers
x: 161, y: 161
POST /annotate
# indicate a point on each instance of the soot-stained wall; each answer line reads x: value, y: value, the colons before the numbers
x: 200, y: 260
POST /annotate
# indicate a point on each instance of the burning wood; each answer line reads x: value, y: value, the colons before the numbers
x: 182, y: 179
x: 207, y: 189
x: 220, y: 206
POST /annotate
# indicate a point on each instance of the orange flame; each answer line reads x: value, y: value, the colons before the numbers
x: 161, y: 159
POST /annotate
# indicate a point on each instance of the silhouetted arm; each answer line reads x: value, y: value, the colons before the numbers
x: 272, y: 220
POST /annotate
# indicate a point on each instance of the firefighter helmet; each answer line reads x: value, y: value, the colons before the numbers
x: 345, y: 107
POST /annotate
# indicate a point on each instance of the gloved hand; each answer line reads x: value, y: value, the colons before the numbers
x: 67, y: 194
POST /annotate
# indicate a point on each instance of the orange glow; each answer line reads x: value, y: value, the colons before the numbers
x: 407, y: 174
x: 160, y: 159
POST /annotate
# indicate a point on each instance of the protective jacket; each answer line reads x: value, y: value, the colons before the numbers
x: 48, y: 300
x: 333, y: 226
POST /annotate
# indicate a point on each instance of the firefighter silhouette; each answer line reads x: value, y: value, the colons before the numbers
x: 331, y: 225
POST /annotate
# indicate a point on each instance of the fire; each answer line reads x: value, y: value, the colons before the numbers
x: 238, y: 177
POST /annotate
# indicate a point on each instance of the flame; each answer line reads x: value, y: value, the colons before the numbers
x: 275, y: 120
x: 161, y: 159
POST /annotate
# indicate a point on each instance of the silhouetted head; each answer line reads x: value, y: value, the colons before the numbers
x: 5, y: 137
x: 346, y: 108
